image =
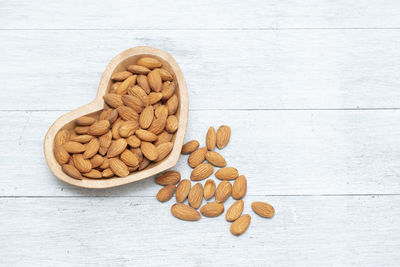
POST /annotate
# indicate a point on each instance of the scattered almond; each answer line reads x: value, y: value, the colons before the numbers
x: 215, y: 159
x: 239, y: 187
x: 234, y: 211
x: 240, y: 226
x: 223, y: 136
x: 263, y: 209
x: 223, y: 191
x: 201, y: 172
x: 182, y: 191
x: 212, y: 209
x: 184, y: 212
x: 190, y: 146
x: 166, y: 193
x: 227, y: 173
x: 211, y: 138
x: 168, y: 178
x: 195, y: 196
x: 197, y: 157
x: 209, y: 189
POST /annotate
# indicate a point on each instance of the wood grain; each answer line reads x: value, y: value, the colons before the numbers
x: 284, y: 153
x: 223, y: 69
x: 206, y: 14
x: 306, y: 231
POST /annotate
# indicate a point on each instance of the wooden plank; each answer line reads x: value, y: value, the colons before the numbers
x: 306, y: 231
x: 224, y: 69
x: 280, y: 152
x: 208, y: 14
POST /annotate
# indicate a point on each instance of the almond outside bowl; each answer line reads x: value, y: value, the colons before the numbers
x: 94, y: 108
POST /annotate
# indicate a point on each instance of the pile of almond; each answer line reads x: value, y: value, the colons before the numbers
x: 183, y: 189
x: 135, y: 129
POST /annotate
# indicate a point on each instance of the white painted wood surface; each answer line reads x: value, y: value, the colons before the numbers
x: 310, y: 89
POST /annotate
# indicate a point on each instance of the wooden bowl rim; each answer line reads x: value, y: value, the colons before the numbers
x: 98, y: 104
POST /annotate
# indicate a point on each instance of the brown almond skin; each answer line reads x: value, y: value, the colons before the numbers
x: 74, y: 147
x: 215, y: 159
x: 223, y: 136
x: 118, y: 167
x: 263, y: 209
x: 81, y: 129
x: 99, y: 128
x: 190, y: 146
x: 144, y: 83
x: 212, y: 209
x: 166, y: 193
x: 85, y: 121
x: 163, y: 137
x: 129, y: 158
x: 149, y: 151
x: 164, y: 150
x: 83, y: 165
x: 184, y: 212
x: 223, y: 191
x: 195, y: 197
x: 61, y: 154
x: 182, y: 191
x: 201, y: 172
x: 72, y: 171
x: 211, y: 138
x: 209, y: 189
x: 146, y: 117
x: 137, y: 69
x: 113, y: 100
x: 154, y: 80
x: 116, y: 147
x: 121, y: 76
x: 94, y: 174
x: 168, y: 178
x: 239, y: 187
x: 107, y: 173
x: 83, y: 139
x: 133, y: 141
x: 240, y: 226
x: 172, y: 124
x: 197, y: 157
x: 92, y: 148
x: 172, y: 105
x: 61, y: 137
x: 149, y: 62
x: 96, y: 161
x: 234, y: 211
x: 227, y: 173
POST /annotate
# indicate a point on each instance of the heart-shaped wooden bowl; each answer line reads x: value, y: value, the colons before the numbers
x: 119, y: 63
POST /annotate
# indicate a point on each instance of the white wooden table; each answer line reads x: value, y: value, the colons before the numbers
x: 311, y: 90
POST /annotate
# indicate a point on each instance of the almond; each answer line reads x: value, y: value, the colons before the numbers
x: 215, y: 159
x: 144, y: 163
x: 223, y: 191
x: 112, y: 116
x: 240, y: 226
x: 99, y: 128
x: 138, y: 153
x: 182, y: 191
x: 123, y: 88
x: 61, y: 154
x: 212, y: 209
x: 234, y: 211
x: 118, y: 167
x: 137, y: 69
x: 158, y: 104
x: 83, y: 139
x: 83, y: 165
x: 140, y: 93
x: 165, y: 75
x: 74, y: 147
x: 158, y: 125
x: 190, y: 146
x: 105, y: 142
x: 72, y: 171
x: 144, y: 83
x: 85, y: 121
x: 172, y: 124
x: 133, y: 102
x: 163, y: 137
x: 195, y: 196
x: 96, y: 161
x: 133, y: 141
x: 115, y: 85
x: 227, y: 173
x: 94, y: 174
x: 116, y: 147
x: 81, y: 129
x: 184, y: 212
x: 223, y: 136
x: 161, y: 112
x: 211, y: 138
x: 168, y: 178
x: 154, y: 80
x: 61, y: 138
x: 120, y: 76
x: 149, y: 151
x: 209, y: 189
x: 105, y: 164
x: 166, y: 193
x: 164, y: 150
x: 104, y: 114
x: 127, y: 113
x: 92, y: 148
x: 168, y: 90
x: 154, y: 97
x: 263, y: 209
x: 197, y: 157
x: 129, y: 158
x: 146, y: 117
x: 201, y: 172
x: 239, y: 187
x: 172, y: 105
x: 149, y: 62
x: 113, y: 100
x: 107, y: 173
x: 145, y: 135
x: 128, y: 128
x: 115, y: 129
